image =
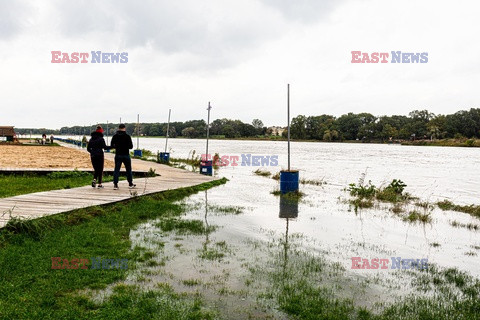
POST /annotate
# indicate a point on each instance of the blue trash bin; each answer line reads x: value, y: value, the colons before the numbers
x: 164, y: 157
x: 288, y: 181
x: 137, y: 153
x: 206, y: 167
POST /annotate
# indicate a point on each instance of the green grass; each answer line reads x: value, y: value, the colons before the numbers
x: 293, y: 195
x: 192, y: 282
x: 211, y: 254
x: 469, y: 226
x: 392, y: 193
x: 303, y: 286
x: 415, y: 216
x: 312, y: 182
x: 14, y: 184
x: 262, y: 173
x: 471, y: 209
x: 226, y: 209
x: 30, y: 289
x: 181, y: 226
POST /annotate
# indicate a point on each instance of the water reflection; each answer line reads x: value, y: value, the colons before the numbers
x: 207, y: 228
x: 288, y: 210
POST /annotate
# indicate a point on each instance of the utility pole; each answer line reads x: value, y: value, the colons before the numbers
x: 168, y: 129
x: 208, y: 128
x: 288, y: 122
x: 138, y: 130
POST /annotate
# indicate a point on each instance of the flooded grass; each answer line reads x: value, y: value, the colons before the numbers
x: 262, y: 173
x: 304, y: 181
x: 309, y: 287
x: 211, y: 254
x: 365, y: 196
x: 320, y: 182
x: 181, y: 226
x: 226, y: 209
x: 361, y: 203
x: 414, y: 216
x: 31, y: 289
x: 393, y: 193
x: 469, y: 226
x: 131, y: 302
x: 294, y: 195
x: 471, y: 209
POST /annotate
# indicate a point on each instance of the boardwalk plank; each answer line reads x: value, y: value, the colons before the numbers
x: 46, y: 203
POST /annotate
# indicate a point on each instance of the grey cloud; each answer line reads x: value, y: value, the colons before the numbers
x: 217, y: 38
x: 13, y: 16
x: 82, y: 17
x: 303, y: 10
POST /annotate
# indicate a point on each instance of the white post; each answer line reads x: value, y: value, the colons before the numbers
x: 288, y: 122
x: 138, y: 130
x: 208, y: 128
x: 168, y: 129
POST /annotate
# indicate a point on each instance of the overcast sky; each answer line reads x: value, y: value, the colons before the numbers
x: 239, y: 55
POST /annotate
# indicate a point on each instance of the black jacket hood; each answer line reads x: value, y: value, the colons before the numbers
x: 96, y: 134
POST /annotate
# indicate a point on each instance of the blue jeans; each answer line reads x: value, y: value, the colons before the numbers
x: 125, y: 159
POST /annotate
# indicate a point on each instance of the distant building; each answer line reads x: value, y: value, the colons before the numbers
x: 7, y: 133
x: 276, y: 131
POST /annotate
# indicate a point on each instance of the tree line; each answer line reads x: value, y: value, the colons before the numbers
x: 419, y: 124
x: 188, y: 129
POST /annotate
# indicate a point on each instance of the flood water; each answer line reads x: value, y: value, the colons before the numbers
x: 324, y: 215
x: 323, y: 224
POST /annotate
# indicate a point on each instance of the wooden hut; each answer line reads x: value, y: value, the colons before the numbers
x: 7, y: 133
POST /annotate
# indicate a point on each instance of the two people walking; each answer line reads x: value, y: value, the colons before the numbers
x: 122, y: 143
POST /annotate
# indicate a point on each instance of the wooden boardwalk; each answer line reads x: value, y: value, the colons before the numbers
x: 39, y: 204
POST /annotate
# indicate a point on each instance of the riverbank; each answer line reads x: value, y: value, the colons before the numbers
x: 445, y: 143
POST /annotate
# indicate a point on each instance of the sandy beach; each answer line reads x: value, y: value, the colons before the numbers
x: 45, y: 157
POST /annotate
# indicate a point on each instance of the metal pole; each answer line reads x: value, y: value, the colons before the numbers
x: 168, y: 129
x: 208, y: 128
x: 288, y: 122
x: 138, y: 129
x: 107, y: 131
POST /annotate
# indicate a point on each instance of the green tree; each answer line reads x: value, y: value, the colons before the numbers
x: 298, y: 127
x: 349, y: 125
x: 257, y: 123
x: 189, y: 132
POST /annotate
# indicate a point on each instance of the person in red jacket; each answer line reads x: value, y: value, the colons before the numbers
x: 95, y: 147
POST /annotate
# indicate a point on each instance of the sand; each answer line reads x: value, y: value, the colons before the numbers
x: 45, y: 157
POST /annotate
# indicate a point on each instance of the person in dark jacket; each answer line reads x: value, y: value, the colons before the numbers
x: 122, y: 143
x: 95, y: 147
